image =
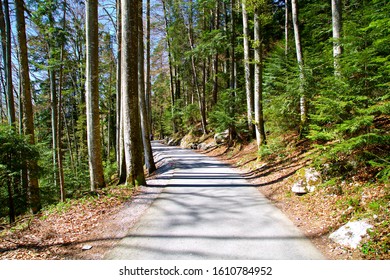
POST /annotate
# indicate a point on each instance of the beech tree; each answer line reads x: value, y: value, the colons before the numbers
x: 248, y: 80
x: 92, y: 96
x: 258, y: 102
x: 145, y: 129
x: 129, y: 79
x: 33, y: 194
x: 298, y: 49
x: 336, y: 27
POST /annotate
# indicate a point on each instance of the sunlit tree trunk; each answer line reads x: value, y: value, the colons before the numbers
x: 215, y: 57
x: 201, y: 99
x: 248, y: 81
x: 286, y: 27
x: 53, y: 96
x: 28, y: 115
x: 119, y: 104
x: 170, y: 61
x: 148, y: 96
x: 131, y: 117
x: 258, y: 96
x: 148, y: 154
x: 298, y: 47
x: 92, y: 97
x: 337, y: 26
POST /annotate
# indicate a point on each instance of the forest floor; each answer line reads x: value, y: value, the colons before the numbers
x: 86, y: 228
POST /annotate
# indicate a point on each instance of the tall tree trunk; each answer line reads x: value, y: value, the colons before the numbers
x: 248, y: 81
x: 148, y: 97
x: 92, y: 96
x: 195, y: 75
x: 337, y: 26
x: 232, y: 72
x: 33, y: 195
x: 170, y: 60
x: 121, y: 162
x: 286, y: 27
x: 59, y: 122
x: 53, y: 99
x: 131, y: 117
x: 11, y: 203
x: 259, y: 119
x: 148, y: 153
x: 215, y: 57
x: 302, y: 93
x: 5, y: 27
x: 53, y: 96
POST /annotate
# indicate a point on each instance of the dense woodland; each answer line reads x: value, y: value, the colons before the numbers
x: 85, y: 86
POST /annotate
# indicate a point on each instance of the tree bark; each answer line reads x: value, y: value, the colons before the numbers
x: 303, y: 98
x: 337, y: 27
x: 248, y: 81
x: 286, y: 27
x: 33, y: 194
x: 215, y: 57
x: 119, y: 104
x: 148, y: 96
x: 59, y: 123
x: 53, y: 98
x: 201, y: 98
x: 148, y: 153
x: 131, y: 117
x: 92, y: 97
x: 170, y: 60
x: 5, y: 25
x: 259, y: 119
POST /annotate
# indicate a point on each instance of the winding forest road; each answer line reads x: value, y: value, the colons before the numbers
x: 208, y: 211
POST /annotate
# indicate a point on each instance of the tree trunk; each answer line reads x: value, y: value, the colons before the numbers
x: 5, y: 26
x: 11, y: 203
x: 148, y: 97
x: 131, y: 117
x: 195, y: 75
x: 248, y: 81
x: 54, y: 111
x: 232, y: 72
x: 259, y: 119
x: 286, y: 27
x: 92, y: 97
x: 119, y: 104
x: 303, y: 98
x: 59, y: 123
x: 148, y: 153
x: 33, y: 195
x: 215, y: 57
x: 337, y: 26
x: 170, y: 60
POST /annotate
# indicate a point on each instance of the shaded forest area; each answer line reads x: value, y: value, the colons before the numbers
x: 84, y: 89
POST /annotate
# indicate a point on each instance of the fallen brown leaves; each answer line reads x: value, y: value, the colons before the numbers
x: 58, y: 232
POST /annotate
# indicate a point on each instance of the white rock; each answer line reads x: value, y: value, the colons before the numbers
x: 299, y: 187
x: 86, y: 247
x: 351, y: 234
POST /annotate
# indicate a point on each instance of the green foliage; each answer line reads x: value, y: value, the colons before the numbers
x: 221, y: 117
x: 15, y: 152
x: 281, y: 91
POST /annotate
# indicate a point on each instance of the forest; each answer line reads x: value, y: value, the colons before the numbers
x: 86, y: 85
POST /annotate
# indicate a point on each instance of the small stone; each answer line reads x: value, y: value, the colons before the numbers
x: 86, y: 247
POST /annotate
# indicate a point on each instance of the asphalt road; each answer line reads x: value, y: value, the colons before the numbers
x: 207, y: 211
